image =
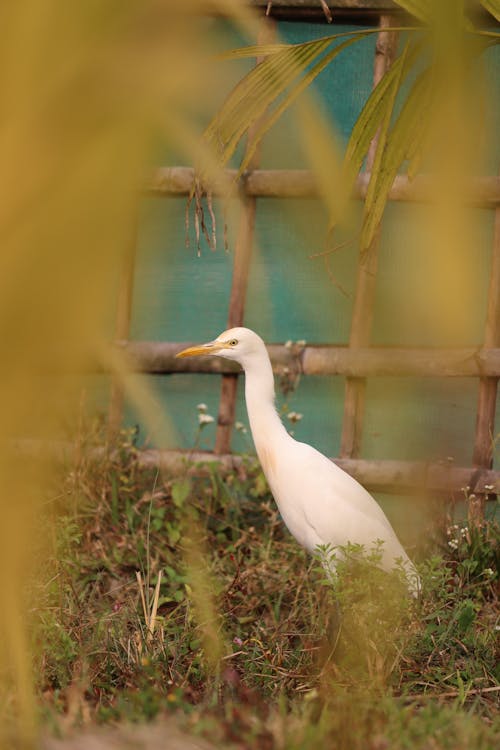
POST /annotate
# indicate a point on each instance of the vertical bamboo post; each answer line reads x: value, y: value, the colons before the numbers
x: 241, y: 268
x: 239, y: 284
x: 362, y: 317
x: 122, y: 322
x: 488, y: 386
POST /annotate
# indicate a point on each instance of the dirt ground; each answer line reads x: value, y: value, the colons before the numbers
x: 157, y: 736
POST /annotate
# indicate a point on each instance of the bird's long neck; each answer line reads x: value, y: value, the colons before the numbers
x: 268, y: 431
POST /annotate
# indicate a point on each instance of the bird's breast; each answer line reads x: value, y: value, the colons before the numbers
x: 289, y: 496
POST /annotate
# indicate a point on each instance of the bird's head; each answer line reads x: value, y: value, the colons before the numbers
x: 240, y: 344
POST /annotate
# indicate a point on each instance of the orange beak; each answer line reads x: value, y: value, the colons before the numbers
x: 194, y: 351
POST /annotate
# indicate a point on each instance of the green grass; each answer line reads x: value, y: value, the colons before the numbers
x: 251, y: 644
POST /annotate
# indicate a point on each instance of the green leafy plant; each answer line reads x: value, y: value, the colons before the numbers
x: 339, y: 663
x: 433, y: 67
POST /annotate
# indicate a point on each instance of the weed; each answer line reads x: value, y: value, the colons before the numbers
x: 236, y: 631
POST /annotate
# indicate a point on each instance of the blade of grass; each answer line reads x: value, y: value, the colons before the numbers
x: 148, y: 536
x: 325, y: 158
x: 154, y: 610
x: 141, y: 590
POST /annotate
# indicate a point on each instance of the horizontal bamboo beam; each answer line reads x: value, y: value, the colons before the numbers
x: 356, y: 10
x: 300, y: 183
x: 367, y: 362
x: 377, y: 476
x: 159, y: 358
x: 378, y: 5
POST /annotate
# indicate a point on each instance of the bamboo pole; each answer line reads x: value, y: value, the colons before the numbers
x: 122, y: 322
x: 483, y: 191
x: 362, y: 316
x: 158, y: 358
x: 241, y: 268
x: 488, y: 386
x: 357, y: 11
x: 378, y: 476
x: 239, y: 284
x: 289, y: 5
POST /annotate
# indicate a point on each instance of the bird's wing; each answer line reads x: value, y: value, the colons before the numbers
x: 337, y: 507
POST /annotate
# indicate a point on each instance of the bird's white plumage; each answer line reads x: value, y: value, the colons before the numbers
x: 319, y: 502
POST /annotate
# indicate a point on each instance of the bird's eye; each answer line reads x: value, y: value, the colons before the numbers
x: 233, y: 342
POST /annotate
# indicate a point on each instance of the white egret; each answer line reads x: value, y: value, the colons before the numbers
x: 320, y: 503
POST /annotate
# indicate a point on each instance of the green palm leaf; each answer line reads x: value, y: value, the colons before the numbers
x: 284, y: 74
x: 373, y: 113
x: 404, y: 136
x: 369, y: 224
x: 258, y: 89
x: 255, y: 50
x: 493, y: 7
x: 268, y: 90
x: 269, y: 120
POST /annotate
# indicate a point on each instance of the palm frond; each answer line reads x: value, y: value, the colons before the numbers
x: 325, y: 157
x: 373, y: 112
x: 270, y: 119
x: 371, y: 217
x: 258, y: 89
x: 394, y: 146
x: 266, y: 92
x: 254, y: 50
x: 265, y: 83
x: 493, y: 7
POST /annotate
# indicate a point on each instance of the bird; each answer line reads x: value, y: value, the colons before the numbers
x: 322, y: 506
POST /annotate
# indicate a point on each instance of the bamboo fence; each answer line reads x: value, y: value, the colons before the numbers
x: 362, y: 314
x: 358, y: 360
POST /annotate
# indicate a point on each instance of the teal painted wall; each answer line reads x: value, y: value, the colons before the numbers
x: 179, y: 296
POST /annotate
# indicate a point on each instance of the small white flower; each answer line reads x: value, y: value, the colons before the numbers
x: 202, y: 407
x: 205, y: 419
x: 452, y: 544
x: 489, y: 572
x: 463, y: 532
x: 489, y: 486
x: 240, y: 427
x: 294, y: 416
